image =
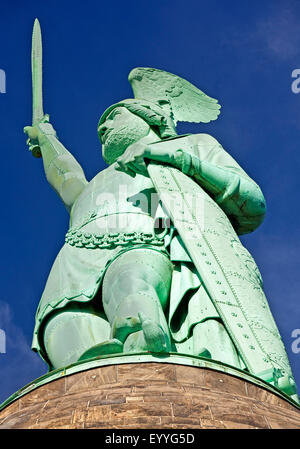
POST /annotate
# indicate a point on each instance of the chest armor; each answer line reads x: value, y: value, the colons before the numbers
x: 114, y: 202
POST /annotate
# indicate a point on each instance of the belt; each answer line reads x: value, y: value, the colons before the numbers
x: 93, y: 241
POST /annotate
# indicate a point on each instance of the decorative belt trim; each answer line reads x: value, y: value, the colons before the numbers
x: 92, y: 241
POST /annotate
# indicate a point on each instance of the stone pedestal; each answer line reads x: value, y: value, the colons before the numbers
x: 151, y: 394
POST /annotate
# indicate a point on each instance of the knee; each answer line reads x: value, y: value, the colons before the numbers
x: 139, y: 269
x: 130, y: 281
x: 67, y: 334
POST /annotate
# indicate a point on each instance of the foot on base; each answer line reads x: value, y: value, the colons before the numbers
x: 122, y: 327
x: 157, y: 340
x: 204, y: 352
x: 113, y: 346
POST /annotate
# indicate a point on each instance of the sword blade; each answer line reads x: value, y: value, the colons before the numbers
x: 36, y: 68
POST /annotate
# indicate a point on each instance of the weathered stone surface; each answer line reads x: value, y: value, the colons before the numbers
x: 150, y: 395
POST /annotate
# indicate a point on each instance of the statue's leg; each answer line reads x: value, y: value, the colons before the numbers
x: 210, y: 339
x: 68, y: 333
x: 135, y: 293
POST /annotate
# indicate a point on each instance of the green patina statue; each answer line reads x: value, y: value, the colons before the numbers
x: 152, y: 261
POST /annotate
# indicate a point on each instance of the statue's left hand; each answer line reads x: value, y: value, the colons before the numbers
x: 132, y: 160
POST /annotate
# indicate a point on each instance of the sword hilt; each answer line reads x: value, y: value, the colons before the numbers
x: 34, y: 147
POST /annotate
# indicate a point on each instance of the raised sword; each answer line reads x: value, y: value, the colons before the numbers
x: 37, y: 84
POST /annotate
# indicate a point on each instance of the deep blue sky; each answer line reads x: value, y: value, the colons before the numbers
x: 242, y: 53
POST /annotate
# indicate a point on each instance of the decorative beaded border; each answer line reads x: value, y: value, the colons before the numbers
x: 88, y: 240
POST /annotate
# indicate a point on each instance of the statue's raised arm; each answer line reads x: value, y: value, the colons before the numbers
x: 62, y: 170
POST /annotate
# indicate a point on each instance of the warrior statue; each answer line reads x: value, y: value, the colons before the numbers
x: 152, y: 261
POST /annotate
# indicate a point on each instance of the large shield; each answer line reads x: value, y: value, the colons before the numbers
x: 229, y: 273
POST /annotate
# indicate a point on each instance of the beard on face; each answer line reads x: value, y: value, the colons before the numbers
x: 119, y: 139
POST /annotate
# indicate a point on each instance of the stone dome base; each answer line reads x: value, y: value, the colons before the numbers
x: 144, y: 395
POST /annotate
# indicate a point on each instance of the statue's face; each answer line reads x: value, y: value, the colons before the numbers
x: 120, y: 129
